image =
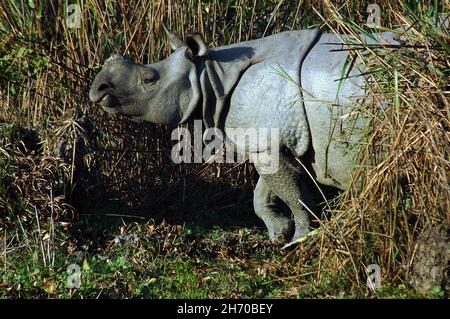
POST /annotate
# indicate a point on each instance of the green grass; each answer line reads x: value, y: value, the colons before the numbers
x: 170, y: 261
x: 159, y: 265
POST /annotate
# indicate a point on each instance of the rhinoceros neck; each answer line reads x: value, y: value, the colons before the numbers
x: 195, y: 97
x: 218, y: 80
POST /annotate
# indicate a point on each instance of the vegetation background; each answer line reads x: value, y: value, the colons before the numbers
x: 80, y: 187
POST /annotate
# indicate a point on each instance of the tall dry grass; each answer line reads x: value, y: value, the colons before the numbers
x: 400, y: 185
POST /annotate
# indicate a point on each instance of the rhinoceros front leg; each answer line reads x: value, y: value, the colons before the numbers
x: 266, y: 203
x: 285, y: 183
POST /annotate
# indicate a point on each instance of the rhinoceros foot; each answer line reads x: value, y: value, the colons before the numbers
x: 280, y: 229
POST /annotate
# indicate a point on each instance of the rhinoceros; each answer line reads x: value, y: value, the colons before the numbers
x: 302, y: 83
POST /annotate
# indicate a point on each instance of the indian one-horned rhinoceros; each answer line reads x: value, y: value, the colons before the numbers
x: 300, y: 82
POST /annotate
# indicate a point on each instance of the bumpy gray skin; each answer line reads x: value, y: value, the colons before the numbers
x: 241, y: 86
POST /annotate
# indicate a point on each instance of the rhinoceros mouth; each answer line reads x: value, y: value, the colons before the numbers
x: 112, y: 110
x: 110, y: 104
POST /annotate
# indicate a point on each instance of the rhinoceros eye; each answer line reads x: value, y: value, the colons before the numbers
x: 148, y: 79
x: 149, y: 76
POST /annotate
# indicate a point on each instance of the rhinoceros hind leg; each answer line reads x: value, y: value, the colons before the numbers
x: 286, y: 184
x: 266, y: 203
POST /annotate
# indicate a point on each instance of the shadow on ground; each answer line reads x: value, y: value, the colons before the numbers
x: 194, y: 202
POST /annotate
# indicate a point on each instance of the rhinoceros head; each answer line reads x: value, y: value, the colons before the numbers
x: 165, y: 92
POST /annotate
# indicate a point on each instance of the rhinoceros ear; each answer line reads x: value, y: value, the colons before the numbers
x: 196, y: 44
x: 174, y: 39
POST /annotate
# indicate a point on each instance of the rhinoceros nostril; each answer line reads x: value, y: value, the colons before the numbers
x: 98, y: 92
x: 104, y: 87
